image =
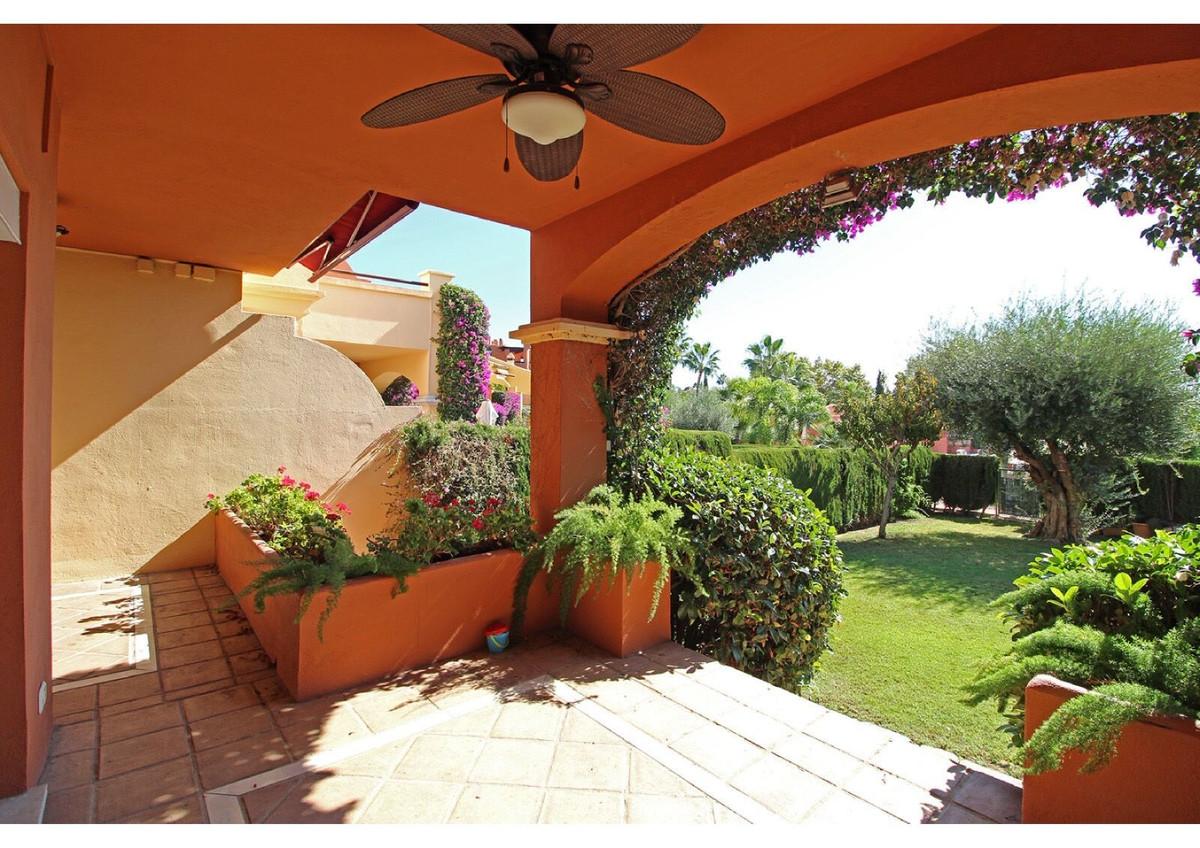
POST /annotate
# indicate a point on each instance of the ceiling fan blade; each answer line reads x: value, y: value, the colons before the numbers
x: 435, y: 100
x: 616, y: 46
x: 657, y: 108
x: 548, y: 162
x: 481, y: 37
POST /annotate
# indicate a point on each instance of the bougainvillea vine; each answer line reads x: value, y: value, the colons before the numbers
x: 1139, y: 165
x: 464, y: 373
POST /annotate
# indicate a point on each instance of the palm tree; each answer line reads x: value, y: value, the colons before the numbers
x: 701, y: 359
x: 765, y: 357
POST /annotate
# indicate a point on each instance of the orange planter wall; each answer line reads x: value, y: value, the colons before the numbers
x: 1152, y: 779
x: 371, y: 634
x: 615, y: 617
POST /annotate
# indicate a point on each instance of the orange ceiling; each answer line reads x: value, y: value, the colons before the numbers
x: 236, y: 145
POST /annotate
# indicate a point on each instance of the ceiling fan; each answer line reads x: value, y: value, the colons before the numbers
x: 555, y: 75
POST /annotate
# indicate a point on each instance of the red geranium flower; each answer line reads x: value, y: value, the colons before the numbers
x: 477, y: 523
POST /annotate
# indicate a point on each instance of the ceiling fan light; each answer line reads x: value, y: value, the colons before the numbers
x: 543, y: 116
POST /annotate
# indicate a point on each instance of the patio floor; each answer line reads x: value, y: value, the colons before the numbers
x: 200, y: 730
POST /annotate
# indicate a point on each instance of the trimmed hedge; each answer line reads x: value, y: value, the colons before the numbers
x: 843, y: 482
x: 1172, y: 491
x: 963, y: 482
x: 708, y: 441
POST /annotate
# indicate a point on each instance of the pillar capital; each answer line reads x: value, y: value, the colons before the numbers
x: 569, y: 330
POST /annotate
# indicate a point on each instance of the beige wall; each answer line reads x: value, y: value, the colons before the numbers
x: 413, y: 364
x: 164, y: 390
x: 366, y: 313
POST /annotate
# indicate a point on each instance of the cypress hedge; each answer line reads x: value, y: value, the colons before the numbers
x: 963, y: 482
x: 707, y: 441
x: 843, y: 482
x: 1171, y: 491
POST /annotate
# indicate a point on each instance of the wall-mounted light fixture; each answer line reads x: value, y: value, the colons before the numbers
x: 839, y: 189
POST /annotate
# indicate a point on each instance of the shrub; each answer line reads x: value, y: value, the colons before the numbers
x: 464, y: 460
x: 1121, y: 617
x: 401, y: 392
x: 437, y: 529
x: 464, y: 372
x: 842, y: 482
x: 1171, y: 491
x: 767, y: 573
x: 708, y: 441
x: 602, y: 538
x: 699, y: 409
x: 963, y: 482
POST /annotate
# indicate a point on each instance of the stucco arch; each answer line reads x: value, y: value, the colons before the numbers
x: 1001, y: 81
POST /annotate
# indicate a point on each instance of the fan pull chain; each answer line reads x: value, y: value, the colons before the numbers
x: 506, y: 166
x: 577, y: 174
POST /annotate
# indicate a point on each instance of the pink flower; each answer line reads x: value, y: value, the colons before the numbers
x: 1188, y: 334
x: 341, y: 507
x: 477, y: 523
x: 306, y: 486
x: 288, y: 481
x: 211, y: 496
x: 1196, y: 286
x: 312, y: 496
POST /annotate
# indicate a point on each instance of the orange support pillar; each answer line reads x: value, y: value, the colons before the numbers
x: 27, y: 147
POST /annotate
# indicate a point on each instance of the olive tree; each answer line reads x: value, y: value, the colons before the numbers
x: 1074, y: 387
x: 887, y: 424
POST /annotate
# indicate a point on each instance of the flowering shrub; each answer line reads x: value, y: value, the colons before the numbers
x: 464, y: 373
x: 401, y: 392
x: 508, y: 409
x: 463, y: 460
x: 287, y: 514
x: 438, y: 528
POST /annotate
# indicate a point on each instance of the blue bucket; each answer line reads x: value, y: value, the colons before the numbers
x: 497, y: 642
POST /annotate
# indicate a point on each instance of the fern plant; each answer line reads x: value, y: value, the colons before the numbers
x: 600, y: 539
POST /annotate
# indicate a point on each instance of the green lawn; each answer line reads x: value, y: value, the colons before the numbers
x: 915, y: 625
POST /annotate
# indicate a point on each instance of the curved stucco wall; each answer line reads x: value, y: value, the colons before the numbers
x: 164, y: 391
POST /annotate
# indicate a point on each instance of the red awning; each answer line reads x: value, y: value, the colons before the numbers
x: 371, y: 215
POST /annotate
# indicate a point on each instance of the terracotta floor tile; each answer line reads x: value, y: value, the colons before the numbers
x: 219, y: 602
x: 78, y: 736
x: 260, y: 803
x: 165, y: 604
x: 251, y: 676
x: 129, y: 793
x: 227, y: 727
x: 165, y: 624
x: 199, y: 689
x: 130, y: 689
x: 74, y: 700
x: 412, y: 802
x: 71, y: 806
x: 143, y: 750
x: 322, y: 798
x: 221, y: 701
x: 240, y: 644
x: 272, y: 691
x: 114, y: 728
x: 242, y: 758
x: 249, y: 663
x: 182, y: 811
x: 188, y: 654
x: 75, y: 718
x: 127, y: 706
x: 233, y: 628
x: 496, y: 804
x: 193, y: 674
x: 185, y: 636
x: 70, y: 770
x: 161, y: 578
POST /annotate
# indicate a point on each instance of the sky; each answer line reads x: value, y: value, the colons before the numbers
x: 867, y: 301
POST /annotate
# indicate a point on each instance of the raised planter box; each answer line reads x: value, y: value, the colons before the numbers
x: 370, y: 634
x: 1152, y: 779
x: 615, y: 617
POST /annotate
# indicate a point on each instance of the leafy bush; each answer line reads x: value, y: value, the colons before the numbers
x: 699, y: 409
x: 437, y: 529
x: 601, y: 538
x: 401, y: 392
x: 708, y: 441
x: 963, y: 482
x: 1121, y: 617
x: 1171, y: 491
x: 767, y: 575
x: 464, y: 460
x: 842, y: 482
x: 463, y: 369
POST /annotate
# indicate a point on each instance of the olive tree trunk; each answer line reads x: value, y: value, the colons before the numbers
x: 1062, y: 501
x: 892, y: 469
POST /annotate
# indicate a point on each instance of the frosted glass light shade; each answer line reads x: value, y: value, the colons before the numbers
x: 544, y: 116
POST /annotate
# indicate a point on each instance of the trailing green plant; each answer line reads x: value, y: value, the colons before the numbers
x: 463, y: 368
x: 601, y: 539
x: 708, y: 441
x: 963, y: 482
x: 767, y: 574
x: 463, y: 460
x: 1121, y: 617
